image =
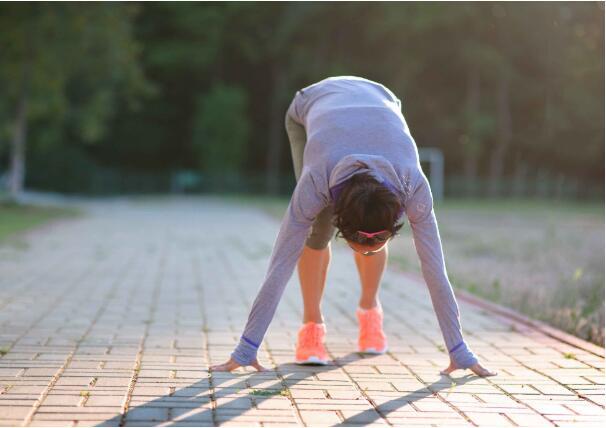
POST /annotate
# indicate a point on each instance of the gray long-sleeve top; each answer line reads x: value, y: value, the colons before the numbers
x: 355, y: 125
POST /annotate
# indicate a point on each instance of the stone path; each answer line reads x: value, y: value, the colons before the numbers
x: 113, y: 319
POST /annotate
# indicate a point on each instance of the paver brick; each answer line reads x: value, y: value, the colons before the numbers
x: 490, y: 419
x: 353, y: 417
x: 145, y: 413
x: 192, y: 415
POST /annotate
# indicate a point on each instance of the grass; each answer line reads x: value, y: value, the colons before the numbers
x: 3, y: 352
x: 542, y: 258
x: 452, y: 386
x: 16, y: 218
x: 527, y: 206
x: 269, y: 392
x: 273, y: 205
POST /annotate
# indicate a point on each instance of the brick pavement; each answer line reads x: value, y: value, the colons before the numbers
x: 113, y: 319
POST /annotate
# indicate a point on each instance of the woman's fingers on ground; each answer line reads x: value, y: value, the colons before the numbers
x: 482, y: 371
x: 449, y: 369
x: 232, y: 365
x: 227, y: 366
x: 219, y: 368
x: 476, y: 368
x: 259, y: 367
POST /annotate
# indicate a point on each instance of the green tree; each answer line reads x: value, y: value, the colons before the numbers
x: 66, y: 64
x: 502, y: 89
x: 221, y: 129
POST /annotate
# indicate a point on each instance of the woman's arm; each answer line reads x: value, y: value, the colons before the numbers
x: 304, y: 206
x: 426, y: 236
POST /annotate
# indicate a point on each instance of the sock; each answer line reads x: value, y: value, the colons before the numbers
x: 366, y: 310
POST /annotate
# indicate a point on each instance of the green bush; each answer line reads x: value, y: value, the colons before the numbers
x: 221, y: 129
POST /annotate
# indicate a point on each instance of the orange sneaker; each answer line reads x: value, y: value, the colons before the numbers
x: 310, y: 344
x: 372, y: 339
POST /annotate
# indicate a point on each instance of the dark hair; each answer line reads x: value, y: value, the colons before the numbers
x: 367, y: 205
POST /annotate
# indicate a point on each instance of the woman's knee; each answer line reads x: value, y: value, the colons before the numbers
x: 322, y: 230
x: 320, y: 236
x: 317, y: 243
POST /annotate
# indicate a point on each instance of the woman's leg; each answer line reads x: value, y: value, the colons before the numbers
x: 313, y: 266
x: 314, y: 263
x: 371, y: 270
x: 315, y: 258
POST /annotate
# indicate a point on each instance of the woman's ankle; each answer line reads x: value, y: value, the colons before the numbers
x: 368, y: 304
x: 316, y: 319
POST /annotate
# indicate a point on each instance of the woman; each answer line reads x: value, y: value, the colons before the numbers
x: 358, y: 171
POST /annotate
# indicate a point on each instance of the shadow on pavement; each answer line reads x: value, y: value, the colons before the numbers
x: 188, y: 403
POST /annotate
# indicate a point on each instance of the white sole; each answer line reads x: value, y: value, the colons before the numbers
x: 312, y: 360
x: 373, y: 351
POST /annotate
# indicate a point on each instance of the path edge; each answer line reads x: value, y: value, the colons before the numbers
x: 514, y: 315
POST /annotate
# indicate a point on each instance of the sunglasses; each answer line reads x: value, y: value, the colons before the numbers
x: 366, y: 238
x: 368, y: 253
x: 371, y: 238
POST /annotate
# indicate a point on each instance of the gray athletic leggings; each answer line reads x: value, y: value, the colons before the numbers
x: 322, y: 229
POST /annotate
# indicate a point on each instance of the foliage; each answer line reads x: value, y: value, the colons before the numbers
x: 75, y: 60
x: 90, y: 63
x: 220, y: 129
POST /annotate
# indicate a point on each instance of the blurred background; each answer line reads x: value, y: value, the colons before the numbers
x: 108, y: 99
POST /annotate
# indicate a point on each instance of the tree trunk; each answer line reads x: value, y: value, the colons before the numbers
x: 520, y: 177
x: 504, y: 134
x: 547, y: 131
x: 276, y: 131
x: 17, y: 156
x: 472, y: 144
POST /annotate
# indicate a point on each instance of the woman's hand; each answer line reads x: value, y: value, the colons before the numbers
x: 477, y: 368
x: 231, y: 364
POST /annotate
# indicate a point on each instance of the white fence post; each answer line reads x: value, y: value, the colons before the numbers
x: 435, y: 158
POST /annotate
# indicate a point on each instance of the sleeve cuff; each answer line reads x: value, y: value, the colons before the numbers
x: 463, y: 356
x: 245, y: 353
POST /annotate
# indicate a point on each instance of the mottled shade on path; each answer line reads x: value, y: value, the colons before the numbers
x: 113, y: 318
